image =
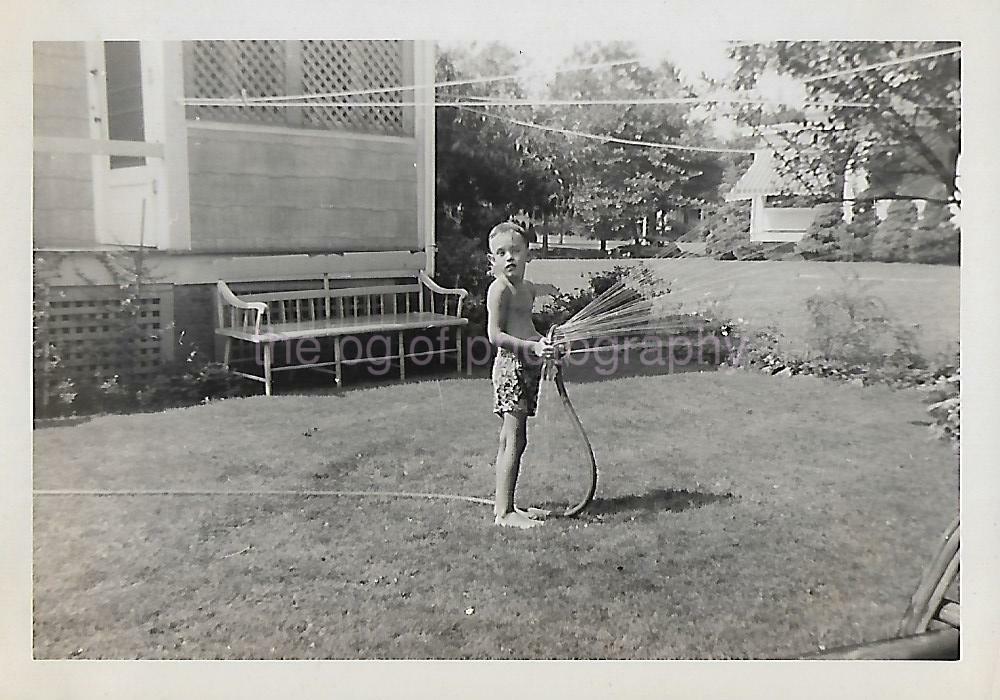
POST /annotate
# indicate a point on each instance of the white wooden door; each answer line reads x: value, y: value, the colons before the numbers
x: 131, y: 205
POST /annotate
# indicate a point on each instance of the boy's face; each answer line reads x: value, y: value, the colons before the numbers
x: 508, y: 255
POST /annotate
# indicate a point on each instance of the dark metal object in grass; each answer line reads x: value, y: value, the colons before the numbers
x: 930, y: 627
x: 939, y: 645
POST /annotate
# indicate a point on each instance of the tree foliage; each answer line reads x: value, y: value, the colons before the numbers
x: 902, y: 128
x: 611, y: 186
x: 484, y: 175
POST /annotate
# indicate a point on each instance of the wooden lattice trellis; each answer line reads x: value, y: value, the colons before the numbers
x: 223, y: 69
x: 84, y: 326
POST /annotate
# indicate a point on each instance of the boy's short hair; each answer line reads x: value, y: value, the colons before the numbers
x: 511, y: 227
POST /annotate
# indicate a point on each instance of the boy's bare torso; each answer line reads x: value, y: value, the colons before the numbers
x: 518, y: 302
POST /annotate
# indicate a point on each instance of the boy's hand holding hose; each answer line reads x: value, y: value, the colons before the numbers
x: 550, y: 352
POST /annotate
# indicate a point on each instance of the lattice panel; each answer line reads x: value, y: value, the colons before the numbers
x: 343, y: 66
x: 225, y: 68
x: 222, y: 69
x: 82, y: 325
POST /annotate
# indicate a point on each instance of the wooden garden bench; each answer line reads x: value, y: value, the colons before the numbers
x: 930, y: 627
x: 268, y: 317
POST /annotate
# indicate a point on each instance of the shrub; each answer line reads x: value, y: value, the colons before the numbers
x: 53, y: 387
x: 860, y: 230
x: 725, y: 227
x: 854, y: 339
x: 894, y: 233
x: 936, y: 238
x: 850, y: 324
x: 825, y: 234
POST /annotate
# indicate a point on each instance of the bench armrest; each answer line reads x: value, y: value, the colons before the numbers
x: 227, y: 298
x: 438, y: 289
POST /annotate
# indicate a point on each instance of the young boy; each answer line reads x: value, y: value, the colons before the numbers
x: 517, y: 369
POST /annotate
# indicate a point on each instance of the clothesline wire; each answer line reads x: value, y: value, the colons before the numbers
x: 604, y: 138
x: 438, y: 84
x: 883, y: 64
x: 496, y: 78
x: 504, y: 102
x: 286, y: 101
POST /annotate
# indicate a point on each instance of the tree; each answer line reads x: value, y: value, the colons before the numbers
x: 483, y: 174
x: 902, y: 126
x: 825, y: 235
x: 936, y: 238
x: 894, y: 233
x: 611, y: 186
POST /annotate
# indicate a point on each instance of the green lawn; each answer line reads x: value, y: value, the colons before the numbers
x: 774, y: 292
x: 738, y: 516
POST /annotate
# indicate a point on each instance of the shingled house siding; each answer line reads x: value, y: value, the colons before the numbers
x: 265, y: 191
x: 63, y: 206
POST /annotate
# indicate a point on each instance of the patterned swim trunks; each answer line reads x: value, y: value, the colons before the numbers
x: 515, y: 384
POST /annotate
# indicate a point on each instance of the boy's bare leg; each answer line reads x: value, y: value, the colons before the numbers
x: 513, y: 439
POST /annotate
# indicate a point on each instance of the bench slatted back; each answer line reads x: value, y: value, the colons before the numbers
x: 935, y: 602
x: 356, y: 303
x: 241, y: 319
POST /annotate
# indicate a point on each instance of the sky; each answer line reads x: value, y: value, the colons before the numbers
x: 691, y: 58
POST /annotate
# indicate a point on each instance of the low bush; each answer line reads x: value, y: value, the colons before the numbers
x: 823, y: 239
x: 190, y: 380
x: 854, y: 339
x: 852, y: 325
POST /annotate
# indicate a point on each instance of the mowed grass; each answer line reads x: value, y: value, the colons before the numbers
x: 774, y: 292
x: 738, y: 516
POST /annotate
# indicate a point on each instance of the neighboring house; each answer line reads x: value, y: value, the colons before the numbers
x: 224, y: 192
x: 770, y: 224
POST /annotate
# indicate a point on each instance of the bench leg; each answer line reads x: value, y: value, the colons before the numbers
x: 268, y: 352
x: 227, y: 352
x: 459, y: 349
x: 402, y: 359
x: 336, y: 360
